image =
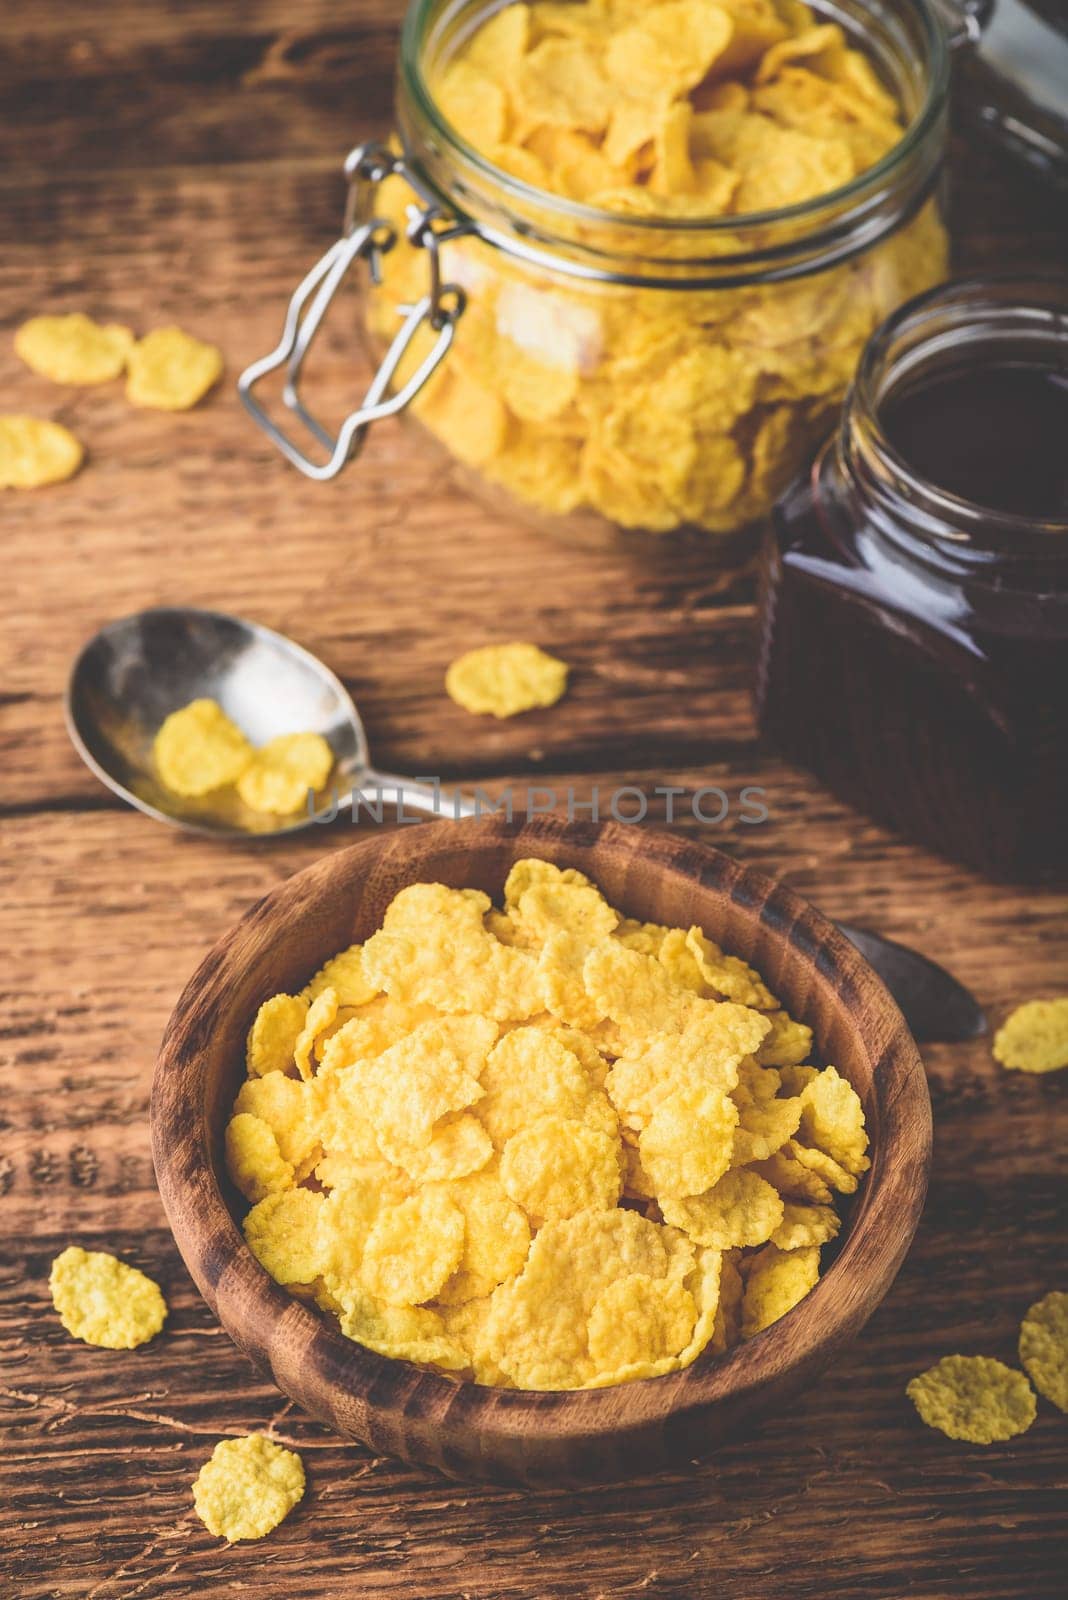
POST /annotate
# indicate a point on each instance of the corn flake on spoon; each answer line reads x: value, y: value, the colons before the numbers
x: 135, y: 672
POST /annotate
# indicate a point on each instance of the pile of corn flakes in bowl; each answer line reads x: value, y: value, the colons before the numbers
x: 541, y: 1147
x: 637, y: 352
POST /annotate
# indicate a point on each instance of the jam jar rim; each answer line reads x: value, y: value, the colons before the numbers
x: 944, y: 520
x: 858, y: 196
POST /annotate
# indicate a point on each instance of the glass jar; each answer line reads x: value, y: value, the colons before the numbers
x: 596, y: 370
x: 914, y: 644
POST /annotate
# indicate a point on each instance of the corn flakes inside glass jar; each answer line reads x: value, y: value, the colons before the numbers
x: 624, y: 254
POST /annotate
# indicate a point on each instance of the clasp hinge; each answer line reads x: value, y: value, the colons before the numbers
x: 368, y: 240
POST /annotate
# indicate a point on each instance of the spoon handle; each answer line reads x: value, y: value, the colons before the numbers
x: 427, y: 797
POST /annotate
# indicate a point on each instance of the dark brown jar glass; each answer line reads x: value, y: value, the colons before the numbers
x: 914, y: 641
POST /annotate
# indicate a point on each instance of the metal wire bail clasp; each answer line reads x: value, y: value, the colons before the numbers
x: 367, y: 240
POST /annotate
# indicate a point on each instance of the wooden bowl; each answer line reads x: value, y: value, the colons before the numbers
x: 507, y: 1435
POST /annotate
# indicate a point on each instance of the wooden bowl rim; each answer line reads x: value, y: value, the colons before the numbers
x: 832, y: 1313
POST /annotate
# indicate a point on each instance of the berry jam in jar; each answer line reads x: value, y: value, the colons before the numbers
x: 914, y: 595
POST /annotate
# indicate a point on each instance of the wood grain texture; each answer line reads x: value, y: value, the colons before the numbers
x: 181, y: 161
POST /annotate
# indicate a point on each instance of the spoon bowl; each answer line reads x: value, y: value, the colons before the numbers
x: 136, y: 671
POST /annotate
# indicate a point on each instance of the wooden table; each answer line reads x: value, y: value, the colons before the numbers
x: 180, y: 162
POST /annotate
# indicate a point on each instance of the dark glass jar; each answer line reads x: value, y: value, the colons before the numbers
x: 914, y: 644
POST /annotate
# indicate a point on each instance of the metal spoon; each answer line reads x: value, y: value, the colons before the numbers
x: 936, y: 1006
x: 135, y: 672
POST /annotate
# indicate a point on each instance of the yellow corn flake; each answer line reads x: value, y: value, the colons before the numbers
x: 727, y: 976
x: 321, y: 1014
x: 281, y: 773
x: 832, y: 1119
x: 635, y: 990
x: 501, y: 680
x: 169, y: 370
x: 496, y: 1238
x: 793, y: 1180
x: 764, y: 1126
x: 470, y: 418
x: 247, y: 1487
x: 669, y: 49
x: 973, y: 1398
x: 282, y: 1231
x: 272, y: 1039
x: 35, y: 452
x: 804, y: 1225
x: 198, y: 749
x: 823, y: 1165
x: 414, y: 1248
x: 536, y: 1329
x: 473, y: 103
x: 775, y: 1282
x: 358, y: 1197
x: 558, y: 1167
x: 501, y: 42
x: 531, y: 1073
x: 551, y: 907
x: 727, y: 1330
x: 344, y: 974
x: 1044, y: 1347
x: 705, y: 1052
x: 741, y: 1209
x: 253, y: 1160
x: 380, y: 1023
x: 793, y: 1080
x: 788, y: 1044
x: 103, y: 1301
x: 645, y: 937
x: 288, y: 1109
x: 458, y: 1146
x: 74, y: 348
x: 686, y: 1147
x: 403, y: 1333
x: 639, y: 1324
x: 462, y: 970
x: 560, y: 83
x: 1035, y: 1037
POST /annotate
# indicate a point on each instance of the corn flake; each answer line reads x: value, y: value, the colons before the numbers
x: 639, y: 1324
x: 775, y: 1282
x: 501, y: 680
x: 281, y: 773
x: 741, y: 1209
x: 253, y: 1160
x: 282, y: 1231
x: 198, y: 749
x: 1044, y: 1347
x: 247, y: 1487
x: 103, y: 1301
x: 35, y: 452
x: 169, y: 370
x: 272, y: 1039
x: 973, y: 1398
x: 413, y: 1248
x: 74, y: 348
x: 558, y: 1167
x: 686, y: 1146
x: 1035, y: 1037
x: 832, y: 1118
x: 288, y: 1108
x: 804, y: 1225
